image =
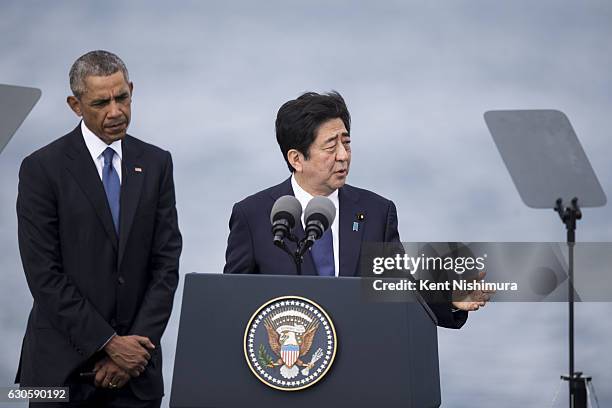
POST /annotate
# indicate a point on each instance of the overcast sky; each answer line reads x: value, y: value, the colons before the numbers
x: 417, y: 77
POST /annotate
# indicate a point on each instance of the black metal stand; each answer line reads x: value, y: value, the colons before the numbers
x: 581, y: 384
x: 577, y: 384
x: 298, y: 255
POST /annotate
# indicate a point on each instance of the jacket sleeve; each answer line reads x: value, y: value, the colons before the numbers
x: 439, y: 302
x: 239, y: 257
x: 156, y: 307
x: 64, y: 306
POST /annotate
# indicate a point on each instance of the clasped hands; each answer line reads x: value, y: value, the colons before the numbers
x: 127, y: 357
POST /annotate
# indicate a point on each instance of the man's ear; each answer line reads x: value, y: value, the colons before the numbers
x: 295, y: 159
x: 131, y: 88
x: 74, y: 104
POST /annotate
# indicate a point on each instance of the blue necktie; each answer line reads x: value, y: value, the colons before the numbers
x: 323, y: 254
x: 110, y: 179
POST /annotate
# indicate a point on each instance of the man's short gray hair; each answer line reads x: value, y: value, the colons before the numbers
x: 96, y: 63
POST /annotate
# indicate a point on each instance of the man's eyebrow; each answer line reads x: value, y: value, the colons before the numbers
x: 123, y: 94
x: 336, y: 136
x: 100, y: 100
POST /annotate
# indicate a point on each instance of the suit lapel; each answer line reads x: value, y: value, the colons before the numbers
x: 350, y: 240
x: 83, y: 170
x: 308, y: 267
x: 132, y: 177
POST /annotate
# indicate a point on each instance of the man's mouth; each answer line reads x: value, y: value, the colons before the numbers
x: 115, y: 127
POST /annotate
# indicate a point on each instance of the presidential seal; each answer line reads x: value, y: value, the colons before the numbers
x: 290, y: 343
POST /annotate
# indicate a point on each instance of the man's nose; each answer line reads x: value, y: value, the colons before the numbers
x: 114, y: 110
x: 341, y: 153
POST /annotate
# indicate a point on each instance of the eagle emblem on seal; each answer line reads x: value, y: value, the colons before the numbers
x: 290, y: 343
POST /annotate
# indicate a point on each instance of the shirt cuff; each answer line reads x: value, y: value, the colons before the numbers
x: 106, y: 342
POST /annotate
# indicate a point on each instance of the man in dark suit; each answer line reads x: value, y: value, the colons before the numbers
x: 313, y: 134
x: 100, y: 247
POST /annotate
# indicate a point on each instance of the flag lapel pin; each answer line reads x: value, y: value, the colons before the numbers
x: 138, y: 169
x: 359, y: 218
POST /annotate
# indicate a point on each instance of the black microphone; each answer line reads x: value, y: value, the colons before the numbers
x: 286, y: 211
x: 318, y: 217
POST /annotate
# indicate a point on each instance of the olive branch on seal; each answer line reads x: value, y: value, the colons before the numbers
x: 264, y: 358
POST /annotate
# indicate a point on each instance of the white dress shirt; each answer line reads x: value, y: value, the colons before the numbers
x: 304, y: 197
x: 96, y: 147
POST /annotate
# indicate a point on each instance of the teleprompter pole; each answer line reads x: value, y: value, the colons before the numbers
x: 569, y: 215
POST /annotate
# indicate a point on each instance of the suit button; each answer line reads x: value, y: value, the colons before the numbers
x: 121, y: 280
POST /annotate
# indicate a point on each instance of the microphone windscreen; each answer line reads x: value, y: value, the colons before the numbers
x: 322, y: 209
x: 287, y: 207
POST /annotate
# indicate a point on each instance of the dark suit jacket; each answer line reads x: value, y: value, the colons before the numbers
x: 250, y: 248
x: 86, y: 282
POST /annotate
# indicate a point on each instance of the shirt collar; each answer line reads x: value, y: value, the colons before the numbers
x: 304, y: 196
x: 96, y: 146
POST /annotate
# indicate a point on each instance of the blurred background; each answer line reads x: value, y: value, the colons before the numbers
x: 417, y: 76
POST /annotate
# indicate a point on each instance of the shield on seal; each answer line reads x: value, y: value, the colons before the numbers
x: 290, y: 354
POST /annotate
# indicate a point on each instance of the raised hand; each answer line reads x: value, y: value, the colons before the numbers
x: 472, y: 300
